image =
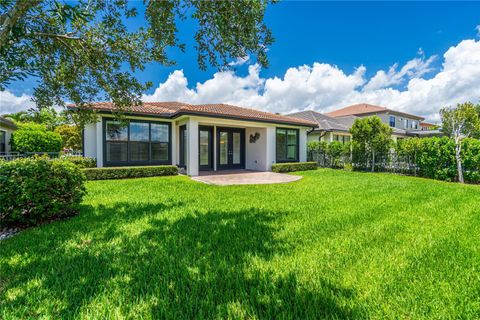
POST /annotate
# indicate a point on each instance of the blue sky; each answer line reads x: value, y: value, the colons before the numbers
x: 343, y: 45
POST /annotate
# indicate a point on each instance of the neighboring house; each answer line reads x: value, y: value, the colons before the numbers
x: 328, y: 129
x: 335, y: 125
x: 426, y: 126
x: 7, y: 127
x: 197, y: 137
x: 403, y: 124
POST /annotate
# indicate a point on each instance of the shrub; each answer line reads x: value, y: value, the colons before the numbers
x: 129, y: 172
x: 32, y: 137
x: 294, y: 166
x: 36, y: 189
x: 82, y: 162
x: 71, y: 136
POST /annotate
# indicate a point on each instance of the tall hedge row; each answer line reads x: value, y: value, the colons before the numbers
x: 37, y: 189
x: 426, y: 157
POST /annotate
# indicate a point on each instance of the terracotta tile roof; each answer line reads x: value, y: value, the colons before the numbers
x: 365, y: 108
x: 175, y: 109
x: 356, y: 109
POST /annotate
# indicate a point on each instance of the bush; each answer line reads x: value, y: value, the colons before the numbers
x: 294, y: 166
x: 129, y: 172
x: 32, y: 137
x: 71, y: 136
x: 82, y: 162
x: 37, y: 189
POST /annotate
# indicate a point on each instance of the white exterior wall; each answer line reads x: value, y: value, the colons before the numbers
x: 8, y: 136
x: 90, y: 140
x: 302, y: 148
x: 192, y: 147
x: 256, y: 153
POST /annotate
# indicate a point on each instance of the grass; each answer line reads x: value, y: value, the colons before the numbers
x: 334, y: 244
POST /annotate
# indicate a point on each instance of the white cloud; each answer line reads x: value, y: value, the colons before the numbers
x: 10, y: 103
x: 414, y: 68
x: 324, y: 87
x: 239, y: 61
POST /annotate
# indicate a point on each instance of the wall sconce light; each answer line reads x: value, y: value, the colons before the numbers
x: 254, y: 137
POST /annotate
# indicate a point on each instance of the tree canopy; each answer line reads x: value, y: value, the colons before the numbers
x: 371, y: 136
x: 458, y: 123
x: 85, y: 50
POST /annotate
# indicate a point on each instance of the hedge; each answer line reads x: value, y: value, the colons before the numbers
x: 129, y: 172
x: 294, y: 166
x: 32, y: 137
x: 37, y: 189
x: 82, y: 162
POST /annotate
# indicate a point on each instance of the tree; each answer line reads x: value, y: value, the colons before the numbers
x: 33, y: 137
x: 372, y: 136
x: 85, y: 51
x: 458, y: 123
x: 71, y: 136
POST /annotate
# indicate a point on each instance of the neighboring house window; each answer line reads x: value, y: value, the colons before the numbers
x: 341, y: 138
x: 392, y: 121
x: 405, y: 123
x: 414, y: 125
x: 137, y: 142
x: 287, y: 145
x: 3, y: 141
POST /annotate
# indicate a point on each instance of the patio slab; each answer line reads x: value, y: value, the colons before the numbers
x: 237, y: 177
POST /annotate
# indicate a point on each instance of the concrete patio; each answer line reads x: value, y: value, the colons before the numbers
x: 238, y: 177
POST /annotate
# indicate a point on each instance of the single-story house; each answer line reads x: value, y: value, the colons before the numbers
x: 7, y: 127
x: 197, y: 137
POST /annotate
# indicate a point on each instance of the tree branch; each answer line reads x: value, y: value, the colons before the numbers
x: 9, y: 19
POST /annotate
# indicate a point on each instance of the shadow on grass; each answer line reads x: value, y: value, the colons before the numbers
x: 198, y: 266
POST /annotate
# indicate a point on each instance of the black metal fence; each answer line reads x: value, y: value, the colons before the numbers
x: 387, y: 162
x: 9, y: 156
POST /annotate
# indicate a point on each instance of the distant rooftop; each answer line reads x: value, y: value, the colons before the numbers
x: 364, y: 109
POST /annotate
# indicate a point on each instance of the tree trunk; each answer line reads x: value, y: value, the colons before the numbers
x: 458, y: 149
x: 373, y: 160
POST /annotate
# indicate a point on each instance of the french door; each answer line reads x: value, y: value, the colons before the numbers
x: 205, y: 148
x: 230, y: 148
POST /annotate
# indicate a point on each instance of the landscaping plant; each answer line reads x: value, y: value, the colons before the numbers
x: 36, y: 189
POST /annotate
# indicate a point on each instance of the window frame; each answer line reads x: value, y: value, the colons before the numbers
x: 394, y: 121
x: 297, y: 144
x: 129, y: 162
x: 3, y: 142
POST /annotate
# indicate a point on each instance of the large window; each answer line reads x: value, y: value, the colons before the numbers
x: 287, y: 145
x: 341, y: 138
x: 136, y: 142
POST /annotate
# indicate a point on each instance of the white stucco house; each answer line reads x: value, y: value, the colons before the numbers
x: 7, y: 127
x: 208, y: 137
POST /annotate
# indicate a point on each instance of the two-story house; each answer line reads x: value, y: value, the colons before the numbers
x: 335, y: 125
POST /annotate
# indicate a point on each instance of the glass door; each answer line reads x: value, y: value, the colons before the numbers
x: 205, y: 149
x: 231, y: 148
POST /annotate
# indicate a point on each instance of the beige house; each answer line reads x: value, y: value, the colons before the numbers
x: 210, y: 137
x: 6, y: 129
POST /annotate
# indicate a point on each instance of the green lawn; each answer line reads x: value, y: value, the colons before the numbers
x: 334, y: 244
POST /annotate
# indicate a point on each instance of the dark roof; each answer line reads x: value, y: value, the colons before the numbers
x: 7, y: 122
x: 324, y: 122
x: 176, y: 109
x: 364, y: 109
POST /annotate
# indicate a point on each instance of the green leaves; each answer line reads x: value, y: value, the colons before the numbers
x: 78, y: 51
x: 31, y: 137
